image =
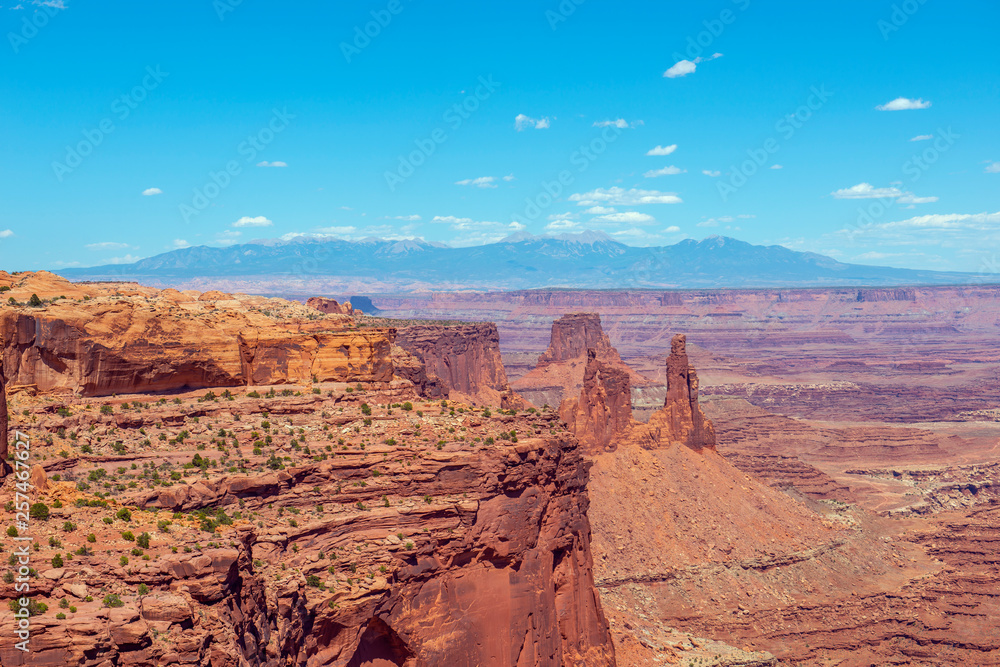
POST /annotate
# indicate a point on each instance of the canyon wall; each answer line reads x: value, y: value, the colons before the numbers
x: 603, y: 411
x: 3, y: 422
x: 463, y: 361
x: 398, y: 554
x: 113, y: 338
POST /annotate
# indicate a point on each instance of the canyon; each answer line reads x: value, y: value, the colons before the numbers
x: 599, y: 478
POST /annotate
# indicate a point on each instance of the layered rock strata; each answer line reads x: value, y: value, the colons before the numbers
x: 462, y: 362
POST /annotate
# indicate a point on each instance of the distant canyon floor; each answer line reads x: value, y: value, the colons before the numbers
x: 877, y: 408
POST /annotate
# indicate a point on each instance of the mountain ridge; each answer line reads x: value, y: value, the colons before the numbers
x: 590, y: 259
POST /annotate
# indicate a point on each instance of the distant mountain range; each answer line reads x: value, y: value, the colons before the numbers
x: 591, y: 260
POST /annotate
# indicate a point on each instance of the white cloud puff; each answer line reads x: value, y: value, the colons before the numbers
x: 523, y: 122
x: 617, y: 196
x: 903, y: 104
x: 660, y: 151
x: 149, y: 192
x: 666, y: 171
x: 259, y: 221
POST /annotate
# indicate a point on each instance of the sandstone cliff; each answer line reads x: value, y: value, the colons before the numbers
x: 681, y: 419
x: 331, y: 307
x: 461, y: 362
x: 119, y: 338
x: 4, y: 446
x: 603, y: 411
x: 560, y: 370
x: 388, y: 551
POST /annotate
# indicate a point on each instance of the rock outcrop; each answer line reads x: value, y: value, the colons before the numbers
x: 460, y: 362
x: 344, y: 356
x: 459, y: 547
x: 603, y: 411
x: 118, y: 338
x: 682, y: 419
x: 573, y: 335
x: 560, y: 370
x: 331, y: 307
x: 4, y: 446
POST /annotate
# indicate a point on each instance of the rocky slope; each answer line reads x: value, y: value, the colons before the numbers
x: 316, y: 529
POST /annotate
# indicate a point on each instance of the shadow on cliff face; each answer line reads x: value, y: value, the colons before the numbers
x: 380, y: 646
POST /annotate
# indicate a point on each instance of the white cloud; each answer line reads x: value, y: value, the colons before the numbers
x: 867, y: 191
x: 599, y: 210
x: 777, y: 166
x: 616, y: 196
x: 259, y: 221
x: 660, y: 151
x: 910, y: 198
x: 672, y: 229
x: 106, y: 245
x: 516, y: 226
x: 149, y: 192
x: 338, y: 231
x: 481, y: 182
x: 903, y: 104
x: 681, y: 68
x: 685, y: 67
x: 626, y: 217
x: 466, y: 224
x: 620, y: 123
x: 5, y: 233
x: 561, y: 225
x: 922, y: 137
x: 993, y: 168
x: 711, y: 173
x: 55, y: 4
x: 410, y: 218
x: 181, y: 243
x: 666, y: 171
x: 523, y: 122
x: 509, y: 177
x: 277, y: 163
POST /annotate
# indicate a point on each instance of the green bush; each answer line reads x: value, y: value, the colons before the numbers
x: 57, y: 561
x: 143, y: 540
x: 112, y: 600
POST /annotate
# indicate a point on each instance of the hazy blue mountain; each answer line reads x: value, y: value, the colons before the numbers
x: 521, y: 261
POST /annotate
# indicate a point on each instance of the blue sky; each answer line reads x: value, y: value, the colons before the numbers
x: 863, y: 130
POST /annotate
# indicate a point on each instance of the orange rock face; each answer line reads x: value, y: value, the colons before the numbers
x: 603, y: 411
x: 116, y: 338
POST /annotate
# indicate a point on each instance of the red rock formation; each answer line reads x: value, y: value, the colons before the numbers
x: 349, y: 356
x: 462, y: 362
x: 899, y: 294
x: 124, y: 339
x: 405, y: 552
x: 3, y: 422
x: 603, y: 411
x: 573, y: 335
x: 681, y: 419
x: 331, y: 307
x: 560, y: 370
